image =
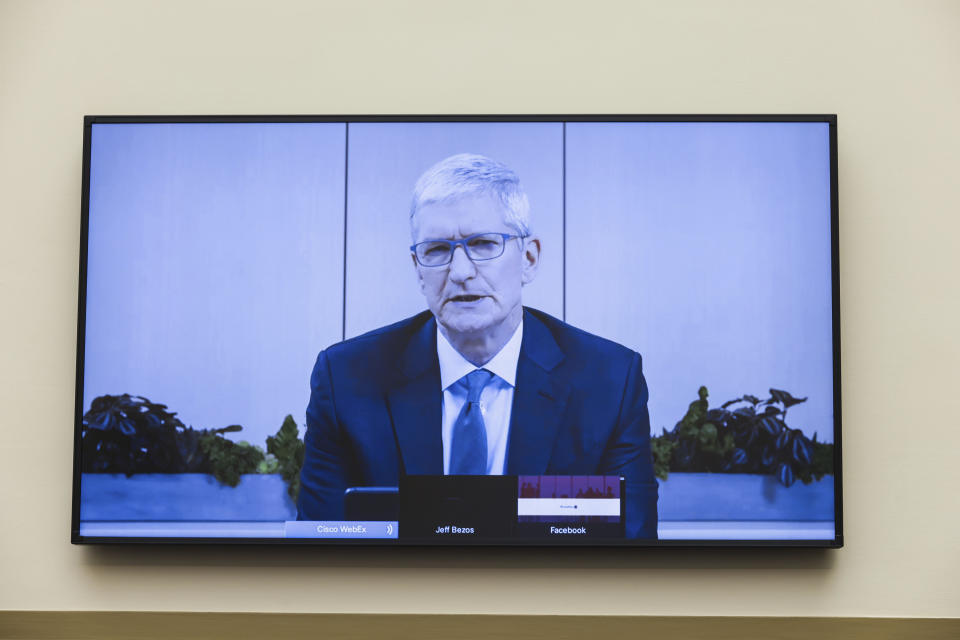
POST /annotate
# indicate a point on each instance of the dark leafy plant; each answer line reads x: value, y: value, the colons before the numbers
x: 130, y: 434
x: 229, y: 460
x: 288, y: 449
x: 662, y: 454
x: 744, y: 435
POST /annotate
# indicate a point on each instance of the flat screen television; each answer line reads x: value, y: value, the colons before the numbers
x: 459, y: 330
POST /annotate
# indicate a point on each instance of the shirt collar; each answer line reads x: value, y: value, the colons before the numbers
x: 454, y: 366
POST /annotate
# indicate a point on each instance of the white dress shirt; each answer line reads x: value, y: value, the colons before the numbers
x: 496, y: 400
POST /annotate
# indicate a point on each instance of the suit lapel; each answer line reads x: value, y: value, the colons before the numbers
x: 538, y: 401
x: 415, y: 405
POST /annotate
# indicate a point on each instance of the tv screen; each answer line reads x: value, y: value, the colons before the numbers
x: 489, y: 330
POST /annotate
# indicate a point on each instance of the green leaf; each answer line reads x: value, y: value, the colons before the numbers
x: 726, y: 446
x: 662, y: 449
x: 708, y: 434
x: 784, y: 398
x: 270, y: 464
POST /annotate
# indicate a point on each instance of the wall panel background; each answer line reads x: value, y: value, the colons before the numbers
x: 659, y: 220
x: 178, y: 216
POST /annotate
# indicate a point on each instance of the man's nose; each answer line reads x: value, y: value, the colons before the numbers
x: 461, y: 266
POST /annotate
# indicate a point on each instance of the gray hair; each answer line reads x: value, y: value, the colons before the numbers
x: 467, y: 174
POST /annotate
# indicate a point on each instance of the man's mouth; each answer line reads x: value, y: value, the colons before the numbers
x: 464, y: 298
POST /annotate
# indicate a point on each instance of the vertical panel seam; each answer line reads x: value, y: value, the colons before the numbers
x: 346, y: 178
x: 563, y: 189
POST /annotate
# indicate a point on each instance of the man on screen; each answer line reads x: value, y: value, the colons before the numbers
x: 477, y: 384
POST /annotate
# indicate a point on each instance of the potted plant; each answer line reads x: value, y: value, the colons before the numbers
x: 139, y: 461
x: 740, y: 461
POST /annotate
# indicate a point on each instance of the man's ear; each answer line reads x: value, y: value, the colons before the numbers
x: 416, y: 268
x: 530, y: 259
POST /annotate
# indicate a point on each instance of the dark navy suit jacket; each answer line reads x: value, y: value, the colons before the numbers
x: 579, y: 408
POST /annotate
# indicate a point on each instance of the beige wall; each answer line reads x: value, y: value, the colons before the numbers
x: 889, y: 69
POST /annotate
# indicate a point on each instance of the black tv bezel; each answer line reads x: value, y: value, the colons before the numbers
x: 90, y: 120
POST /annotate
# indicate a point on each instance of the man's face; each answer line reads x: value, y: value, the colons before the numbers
x: 470, y: 297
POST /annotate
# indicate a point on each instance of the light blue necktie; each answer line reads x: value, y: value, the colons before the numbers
x: 468, y: 453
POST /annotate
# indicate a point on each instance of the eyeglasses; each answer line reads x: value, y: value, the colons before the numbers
x: 478, y: 247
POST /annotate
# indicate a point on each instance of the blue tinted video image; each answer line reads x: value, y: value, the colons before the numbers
x: 649, y: 301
